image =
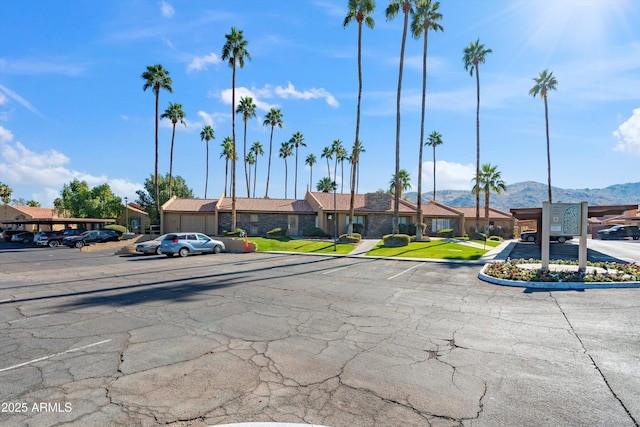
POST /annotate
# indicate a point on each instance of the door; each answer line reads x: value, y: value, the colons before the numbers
x: 293, y: 225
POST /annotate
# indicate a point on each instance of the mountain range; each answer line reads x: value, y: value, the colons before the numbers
x: 531, y: 194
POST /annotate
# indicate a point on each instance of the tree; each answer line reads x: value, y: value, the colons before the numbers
x: 286, y: 150
x: 227, y: 153
x: 250, y: 160
x: 425, y: 18
x: 490, y: 180
x: 156, y: 78
x: 341, y: 156
x: 175, y: 114
x: 434, y: 140
x: 205, y: 135
x: 297, y: 140
x: 273, y: 118
x: 5, y: 193
x: 405, y: 182
x: 33, y: 204
x: 311, y: 160
x: 544, y: 83
x: 360, y: 11
x: 257, y: 150
x: 391, y: 11
x: 327, y: 153
x: 325, y: 185
x: 248, y: 110
x: 146, y: 196
x: 335, y: 149
x: 474, y: 55
x: 358, y: 149
x: 234, y: 51
x: 77, y: 200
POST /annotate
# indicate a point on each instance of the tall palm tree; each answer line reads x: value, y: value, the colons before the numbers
x: 175, y: 114
x: 273, y: 118
x: 327, y: 153
x: 247, y: 108
x: 544, y: 83
x: 311, y: 160
x: 5, y: 193
x: 297, y: 140
x: 434, y: 140
x: 325, y: 185
x: 234, y: 51
x: 250, y: 160
x: 205, y: 135
x: 227, y: 153
x: 257, y: 150
x: 490, y: 180
x: 404, y: 179
x: 474, y: 55
x: 156, y: 78
x: 391, y: 11
x: 358, y: 149
x: 360, y: 11
x: 341, y: 156
x: 425, y: 18
x: 286, y: 150
x: 336, y: 146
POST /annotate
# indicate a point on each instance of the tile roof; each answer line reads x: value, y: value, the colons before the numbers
x: 191, y: 205
x: 370, y: 202
x: 493, y: 213
x: 37, y: 212
x: 435, y: 209
x: 244, y: 204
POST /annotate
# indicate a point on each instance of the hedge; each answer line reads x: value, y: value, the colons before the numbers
x: 277, y: 232
x: 345, y: 238
x: 314, y: 232
x: 446, y: 232
x: 396, y: 240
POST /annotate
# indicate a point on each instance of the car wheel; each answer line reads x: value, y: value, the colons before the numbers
x: 636, y: 237
x: 183, y: 252
x: 531, y: 238
x: 158, y: 252
x: 562, y: 239
x: 79, y: 244
x: 53, y: 244
x: 217, y: 249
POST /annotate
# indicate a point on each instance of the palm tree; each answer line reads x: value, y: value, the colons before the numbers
x: 297, y: 140
x: 250, y: 160
x: 234, y: 51
x: 5, y: 193
x: 405, y: 182
x: 257, y: 150
x: 359, y: 148
x: 336, y: 146
x: 227, y: 153
x: 360, y: 11
x: 325, y: 185
x: 311, y: 160
x: 544, y: 83
x: 272, y: 118
x: 425, y: 18
x: 391, y: 11
x: 156, y: 78
x: 490, y: 180
x: 327, y: 153
x: 247, y: 108
x: 473, y: 56
x: 286, y: 150
x: 341, y: 156
x: 175, y: 114
x: 205, y: 135
x: 434, y: 140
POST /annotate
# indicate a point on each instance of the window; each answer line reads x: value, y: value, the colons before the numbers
x: 438, y: 224
x: 253, y: 218
x: 357, y: 219
x: 402, y: 220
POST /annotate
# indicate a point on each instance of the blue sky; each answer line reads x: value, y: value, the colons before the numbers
x: 72, y: 104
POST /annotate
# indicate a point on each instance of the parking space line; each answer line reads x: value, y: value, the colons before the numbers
x: 337, y: 269
x: 52, y: 355
x: 402, y: 272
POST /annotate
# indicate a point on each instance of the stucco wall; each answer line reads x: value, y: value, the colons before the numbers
x: 266, y: 222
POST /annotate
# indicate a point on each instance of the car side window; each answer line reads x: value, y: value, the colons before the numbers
x: 203, y: 237
x: 191, y: 237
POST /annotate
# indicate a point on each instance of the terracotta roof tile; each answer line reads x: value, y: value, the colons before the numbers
x: 267, y: 205
x: 191, y: 205
x: 493, y: 213
x: 37, y: 212
x: 370, y: 202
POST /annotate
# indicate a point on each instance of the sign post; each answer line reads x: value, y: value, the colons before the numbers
x: 564, y: 219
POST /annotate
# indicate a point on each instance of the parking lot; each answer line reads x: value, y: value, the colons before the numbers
x: 89, y: 338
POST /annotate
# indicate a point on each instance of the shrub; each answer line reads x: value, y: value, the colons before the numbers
x: 314, y: 232
x: 495, y: 238
x: 358, y: 228
x: 445, y: 232
x: 236, y: 233
x: 276, y: 232
x: 345, y: 238
x: 477, y: 236
x: 120, y: 229
x: 396, y: 240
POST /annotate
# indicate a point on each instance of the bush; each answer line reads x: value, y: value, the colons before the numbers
x: 238, y: 232
x: 345, y: 238
x: 477, y: 236
x: 277, y: 232
x: 396, y: 240
x: 120, y: 229
x: 445, y: 232
x: 358, y: 228
x: 314, y: 232
x: 495, y: 238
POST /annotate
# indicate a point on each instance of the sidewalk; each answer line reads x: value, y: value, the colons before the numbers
x: 365, y: 246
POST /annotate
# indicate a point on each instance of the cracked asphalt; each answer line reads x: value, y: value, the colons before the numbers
x: 89, y: 338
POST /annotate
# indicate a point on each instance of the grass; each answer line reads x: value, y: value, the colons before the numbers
x: 286, y: 244
x: 437, y: 249
x: 489, y: 243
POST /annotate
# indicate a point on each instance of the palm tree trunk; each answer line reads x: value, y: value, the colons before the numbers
x: 285, y: 178
x: 206, y: 176
x: 233, y: 151
x: 173, y: 135
x: 155, y: 183
x: 311, y: 177
x: 266, y: 193
x: 486, y: 208
x: 546, y: 119
x: 424, y: 97
x: 255, y: 174
x: 246, y: 174
x: 342, y: 177
x: 328, y: 169
x: 226, y: 174
x: 477, y: 150
x: 295, y: 180
x: 434, y: 173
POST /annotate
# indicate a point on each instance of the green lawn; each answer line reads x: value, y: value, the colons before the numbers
x: 294, y: 245
x: 438, y: 249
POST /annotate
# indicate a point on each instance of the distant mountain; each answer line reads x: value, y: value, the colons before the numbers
x: 530, y: 194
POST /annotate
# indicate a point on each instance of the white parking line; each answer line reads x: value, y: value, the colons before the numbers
x: 5, y: 300
x: 53, y: 355
x: 402, y: 272
x: 27, y: 318
x: 337, y: 269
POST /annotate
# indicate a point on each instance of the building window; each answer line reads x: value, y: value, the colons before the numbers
x: 402, y: 220
x: 440, y: 224
x: 357, y: 219
x: 253, y: 218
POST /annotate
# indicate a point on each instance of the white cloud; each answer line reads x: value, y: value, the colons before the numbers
x: 200, y: 63
x: 291, y: 92
x: 167, y: 10
x: 5, y: 135
x: 269, y: 92
x: 242, y: 92
x: 449, y: 176
x: 628, y: 134
x: 5, y: 91
x: 210, y: 119
x: 3, y: 99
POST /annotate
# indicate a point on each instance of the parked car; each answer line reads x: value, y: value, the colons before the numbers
x: 620, y: 232
x: 92, y: 236
x: 151, y: 246
x: 55, y: 239
x: 184, y: 244
x: 42, y: 234
x: 24, y: 237
x: 530, y: 236
x: 8, y: 234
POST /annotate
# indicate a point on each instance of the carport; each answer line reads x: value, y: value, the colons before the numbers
x: 64, y: 221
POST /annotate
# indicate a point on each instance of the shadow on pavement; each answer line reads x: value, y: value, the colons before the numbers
x: 559, y: 251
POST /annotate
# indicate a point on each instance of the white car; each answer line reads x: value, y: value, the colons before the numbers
x: 151, y: 246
